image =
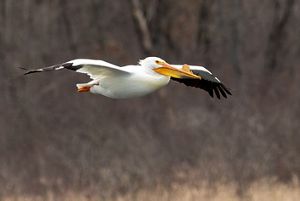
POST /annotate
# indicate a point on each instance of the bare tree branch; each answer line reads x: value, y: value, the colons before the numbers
x: 68, y: 27
x: 277, y: 33
x: 151, y: 11
x: 234, y: 49
x: 142, y: 24
x: 203, y: 36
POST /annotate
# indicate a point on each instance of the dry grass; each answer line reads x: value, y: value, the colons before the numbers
x: 264, y: 190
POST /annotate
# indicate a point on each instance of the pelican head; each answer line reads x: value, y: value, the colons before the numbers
x: 152, y: 62
x: 160, y: 66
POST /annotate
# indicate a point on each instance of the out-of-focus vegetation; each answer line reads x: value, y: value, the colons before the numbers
x: 263, y: 190
x: 55, y: 140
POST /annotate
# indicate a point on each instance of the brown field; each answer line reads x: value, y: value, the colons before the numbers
x: 263, y: 190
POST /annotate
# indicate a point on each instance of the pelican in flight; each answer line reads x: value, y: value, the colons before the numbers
x: 151, y: 74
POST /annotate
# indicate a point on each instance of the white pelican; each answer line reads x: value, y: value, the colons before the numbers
x: 130, y: 81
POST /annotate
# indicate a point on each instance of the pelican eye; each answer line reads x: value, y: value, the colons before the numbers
x: 158, y: 62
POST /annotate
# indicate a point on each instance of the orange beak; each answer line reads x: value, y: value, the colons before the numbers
x: 171, y: 71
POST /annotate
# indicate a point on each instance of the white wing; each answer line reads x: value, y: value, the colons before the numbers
x: 96, y: 69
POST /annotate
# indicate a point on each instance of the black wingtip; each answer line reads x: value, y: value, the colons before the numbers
x: 211, y: 93
x: 217, y: 93
x: 29, y: 71
x: 226, y: 89
x: 222, y: 91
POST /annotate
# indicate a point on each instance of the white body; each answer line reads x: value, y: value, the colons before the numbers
x: 138, y: 82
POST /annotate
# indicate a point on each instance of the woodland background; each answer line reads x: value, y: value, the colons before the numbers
x: 53, y: 139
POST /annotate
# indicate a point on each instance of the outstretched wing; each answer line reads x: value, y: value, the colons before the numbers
x: 208, y: 82
x: 94, y: 68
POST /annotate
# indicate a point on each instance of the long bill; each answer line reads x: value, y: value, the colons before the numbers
x: 171, y: 71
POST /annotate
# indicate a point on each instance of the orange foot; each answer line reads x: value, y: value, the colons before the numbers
x: 84, y: 89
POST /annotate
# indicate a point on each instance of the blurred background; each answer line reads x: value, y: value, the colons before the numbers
x: 55, y: 140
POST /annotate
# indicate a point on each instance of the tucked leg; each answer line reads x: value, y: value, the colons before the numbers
x: 86, y: 87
